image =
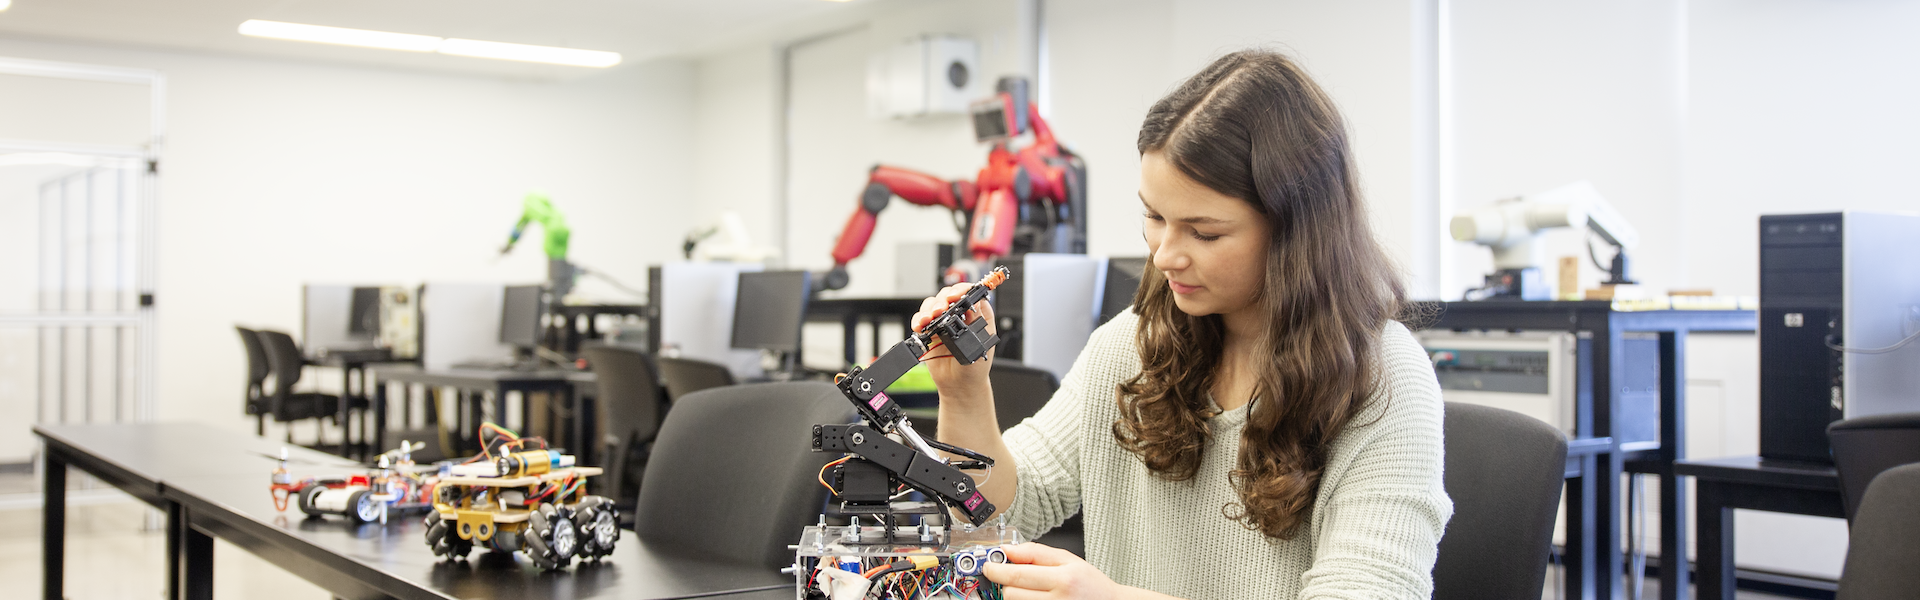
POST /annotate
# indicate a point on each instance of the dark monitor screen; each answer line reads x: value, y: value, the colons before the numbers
x: 769, y: 309
x: 363, y: 316
x: 520, y: 316
x: 1123, y: 278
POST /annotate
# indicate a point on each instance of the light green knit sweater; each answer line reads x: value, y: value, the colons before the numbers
x: 1375, y: 524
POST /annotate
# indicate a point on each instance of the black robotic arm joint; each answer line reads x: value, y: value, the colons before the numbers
x: 874, y: 199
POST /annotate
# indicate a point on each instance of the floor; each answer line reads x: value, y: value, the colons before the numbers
x: 115, y: 550
x: 113, y: 554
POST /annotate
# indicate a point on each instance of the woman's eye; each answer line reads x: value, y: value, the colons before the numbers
x: 1153, y: 217
x: 1204, y: 237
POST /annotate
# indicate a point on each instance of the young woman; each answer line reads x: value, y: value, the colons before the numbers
x: 1258, y: 426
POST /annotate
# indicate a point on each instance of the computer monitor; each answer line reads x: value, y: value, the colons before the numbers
x: 1123, y: 279
x: 520, y: 317
x: 363, y: 314
x: 769, y: 309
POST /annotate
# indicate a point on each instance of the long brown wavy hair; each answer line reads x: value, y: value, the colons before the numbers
x: 1254, y: 126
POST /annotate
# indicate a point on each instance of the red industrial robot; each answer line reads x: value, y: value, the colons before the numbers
x: 1030, y: 200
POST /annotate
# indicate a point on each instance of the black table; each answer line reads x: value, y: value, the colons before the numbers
x: 138, y: 459
x: 850, y: 311
x: 168, y: 465
x: 1725, y: 484
x: 1594, y: 560
x: 498, y: 381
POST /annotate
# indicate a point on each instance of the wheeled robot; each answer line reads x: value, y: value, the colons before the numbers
x: 392, y: 487
x: 520, y: 495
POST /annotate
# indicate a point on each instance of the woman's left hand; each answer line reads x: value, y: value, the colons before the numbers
x: 1039, y: 571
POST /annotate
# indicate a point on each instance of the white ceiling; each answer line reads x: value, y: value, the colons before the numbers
x: 640, y: 30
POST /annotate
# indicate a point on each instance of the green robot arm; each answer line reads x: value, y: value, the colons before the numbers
x: 539, y: 209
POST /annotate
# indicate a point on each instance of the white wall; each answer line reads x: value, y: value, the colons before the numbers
x: 1796, y: 106
x: 1109, y: 61
x: 278, y: 173
x: 1545, y: 94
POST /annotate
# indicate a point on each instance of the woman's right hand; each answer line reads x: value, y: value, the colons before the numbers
x: 955, y: 381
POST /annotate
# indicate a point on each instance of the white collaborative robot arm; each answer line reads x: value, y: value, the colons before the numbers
x: 1509, y: 227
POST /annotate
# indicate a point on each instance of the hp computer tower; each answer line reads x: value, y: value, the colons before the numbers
x: 1838, y: 293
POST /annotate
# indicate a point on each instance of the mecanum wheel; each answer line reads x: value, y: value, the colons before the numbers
x: 442, y: 539
x: 599, y: 527
x: 550, y: 538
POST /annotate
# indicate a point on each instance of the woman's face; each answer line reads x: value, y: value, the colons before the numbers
x: 1211, y: 246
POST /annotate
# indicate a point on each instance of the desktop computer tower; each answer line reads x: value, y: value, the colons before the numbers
x: 1838, y: 291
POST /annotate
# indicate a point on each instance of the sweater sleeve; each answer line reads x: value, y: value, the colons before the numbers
x: 1046, y: 447
x: 1379, y: 529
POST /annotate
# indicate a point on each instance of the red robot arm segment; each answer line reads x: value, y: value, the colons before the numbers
x: 883, y: 183
x: 918, y: 188
x: 853, y: 237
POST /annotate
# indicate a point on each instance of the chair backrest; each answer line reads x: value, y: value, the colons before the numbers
x: 284, y: 360
x: 1504, y: 471
x: 1885, y: 545
x: 1019, y: 391
x: 732, y: 477
x: 629, y: 397
x: 1866, y: 446
x: 686, y: 375
x: 257, y: 367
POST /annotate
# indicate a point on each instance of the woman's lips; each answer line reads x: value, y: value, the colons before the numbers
x: 1180, y: 288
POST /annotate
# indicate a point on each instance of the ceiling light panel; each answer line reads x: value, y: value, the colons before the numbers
x: 340, y: 35
x: 527, y: 53
x: 426, y: 43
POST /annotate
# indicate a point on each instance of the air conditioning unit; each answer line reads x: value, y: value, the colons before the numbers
x: 927, y: 75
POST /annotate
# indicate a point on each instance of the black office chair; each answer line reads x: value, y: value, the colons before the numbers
x: 1019, y: 390
x: 731, y: 477
x: 287, y: 406
x: 629, y: 404
x: 257, y: 371
x: 684, y: 376
x: 1504, y: 471
x: 1866, y: 446
x: 1884, y: 548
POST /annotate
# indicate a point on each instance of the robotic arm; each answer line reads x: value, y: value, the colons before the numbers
x: 879, y: 465
x: 883, y: 183
x: 1509, y: 227
x: 537, y: 208
x: 1028, y: 200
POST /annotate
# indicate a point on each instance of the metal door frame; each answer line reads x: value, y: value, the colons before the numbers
x: 146, y: 216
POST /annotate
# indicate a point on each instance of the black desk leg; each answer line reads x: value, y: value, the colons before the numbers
x: 1714, y: 531
x: 1674, y: 583
x: 476, y: 414
x: 379, y: 409
x: 576, y: 424
x: 1578, y: 563
x: 196, y: 558
x: 176, y: 528
x: 53, y: 527
x: 346, y: 403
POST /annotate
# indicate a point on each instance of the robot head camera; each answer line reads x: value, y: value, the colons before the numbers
x: 1004, y: 115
